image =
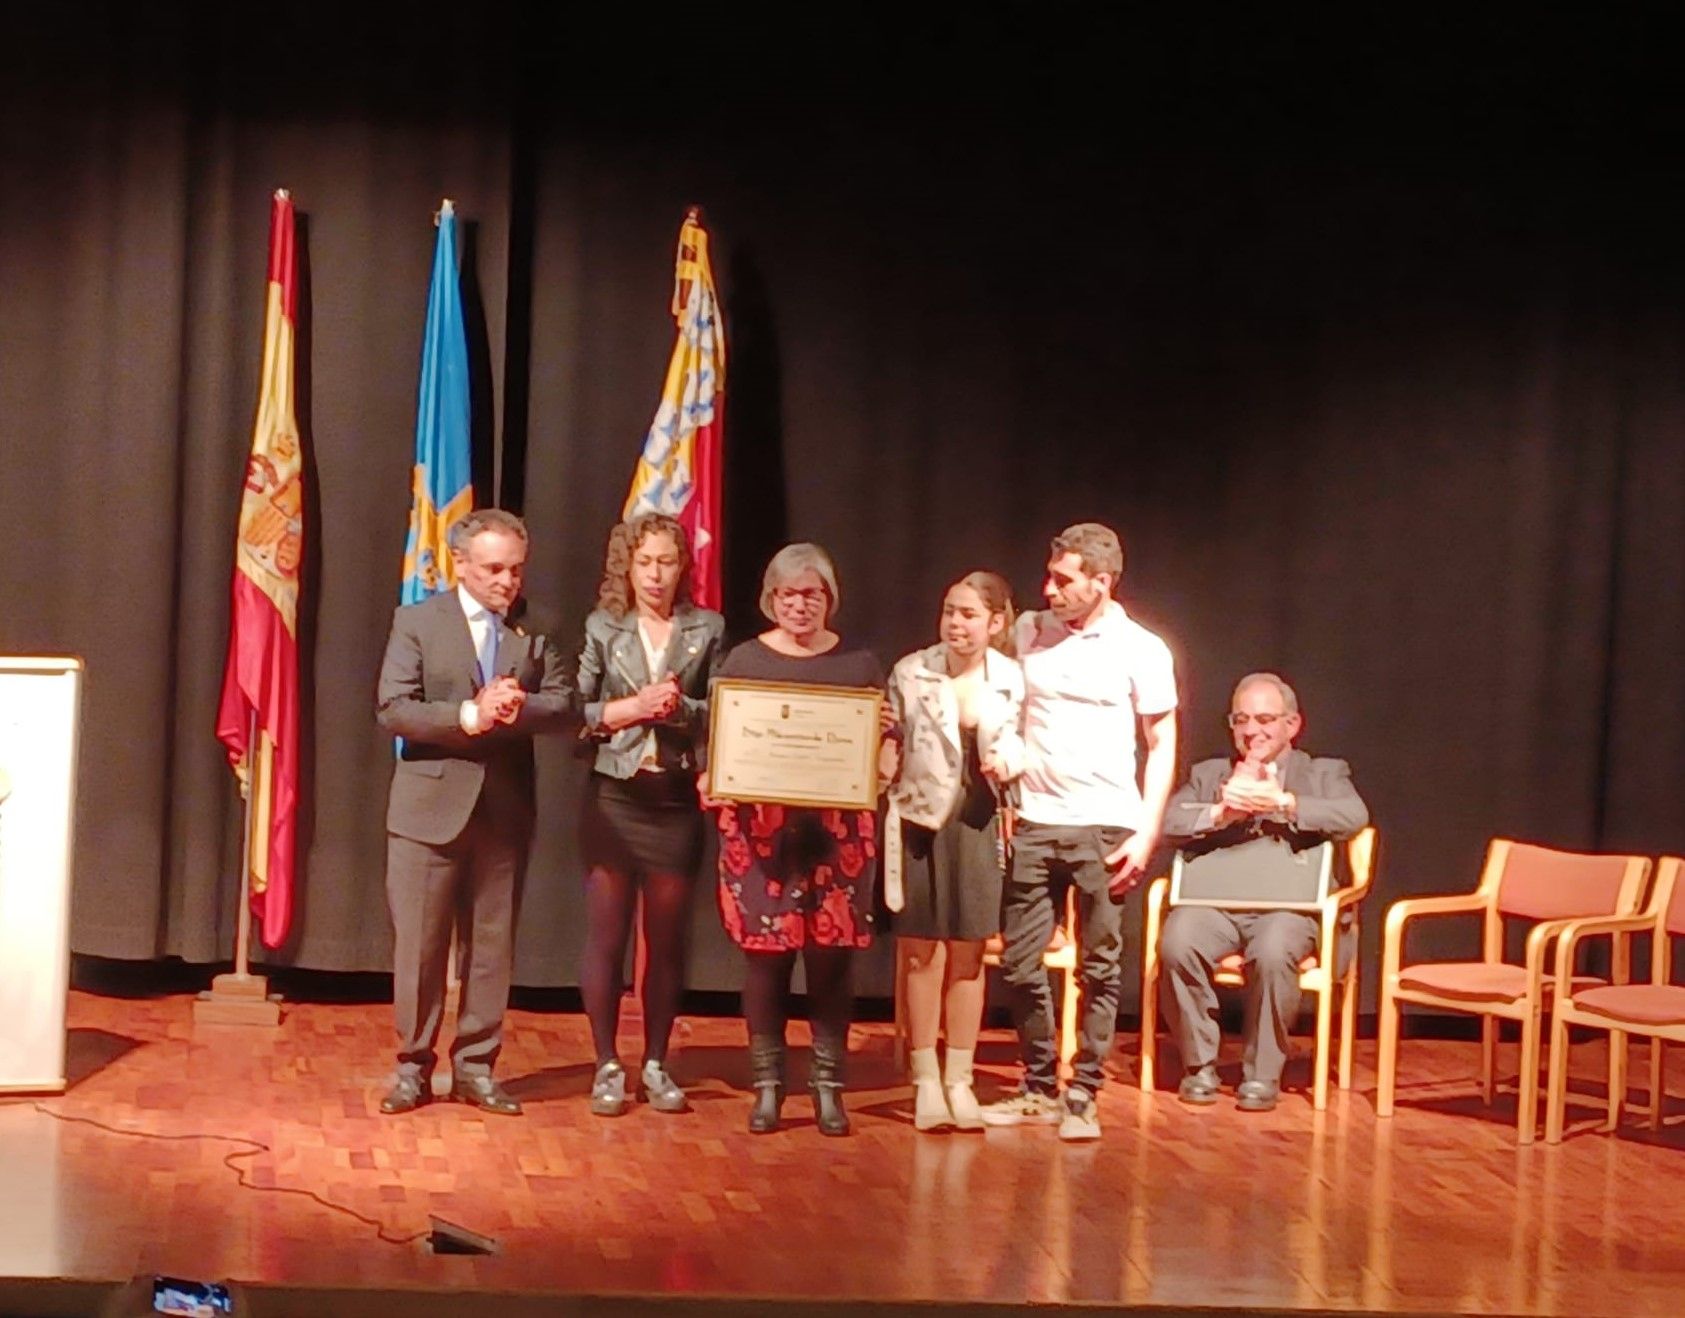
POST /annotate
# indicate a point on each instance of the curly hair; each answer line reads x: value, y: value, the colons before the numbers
x: 614, y: 596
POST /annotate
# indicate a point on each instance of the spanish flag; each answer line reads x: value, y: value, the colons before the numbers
x: 679, y: 471
x: 258, y: 721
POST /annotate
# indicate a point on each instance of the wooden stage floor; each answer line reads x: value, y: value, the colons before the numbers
x: 1435, y: 1210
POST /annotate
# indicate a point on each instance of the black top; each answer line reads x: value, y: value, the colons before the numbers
x: 841, y: 666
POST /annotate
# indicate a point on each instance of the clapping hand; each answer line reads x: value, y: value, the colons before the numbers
x: 658, y: 700
x: 1253, y: 789
x: 499, y: 701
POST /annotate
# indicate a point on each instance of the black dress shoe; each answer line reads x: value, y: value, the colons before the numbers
x: 1199, y: 1086
x: 408, y: 1093
x: 1257, y: 1095
x: 486, y: 1094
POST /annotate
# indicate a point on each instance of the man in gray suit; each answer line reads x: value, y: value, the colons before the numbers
x: 466, y: 683
x: 1268, y: 789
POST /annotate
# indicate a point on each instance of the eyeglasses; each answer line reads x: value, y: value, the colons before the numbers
x: 789, y: 595
x: 1262, y: 720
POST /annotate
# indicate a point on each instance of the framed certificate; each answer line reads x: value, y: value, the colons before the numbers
x: 1261, y: 874
x: 794, y: 744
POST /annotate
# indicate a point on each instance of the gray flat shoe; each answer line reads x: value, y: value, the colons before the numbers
x: 608, y: 1090
x: 1257, y: 1095
x: 1199, y: 1087
x: 659, y: 1090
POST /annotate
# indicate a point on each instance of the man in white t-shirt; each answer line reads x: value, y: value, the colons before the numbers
x: 1092, y: 675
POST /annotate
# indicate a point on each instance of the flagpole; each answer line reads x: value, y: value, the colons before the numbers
x: 242, y: 998
x: 243, y: 928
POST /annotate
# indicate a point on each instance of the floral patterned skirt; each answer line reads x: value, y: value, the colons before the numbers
x: 792, y: 878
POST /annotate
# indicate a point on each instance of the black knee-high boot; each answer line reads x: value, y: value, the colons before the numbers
x: 766, y: 1065
x: 826, y: 1081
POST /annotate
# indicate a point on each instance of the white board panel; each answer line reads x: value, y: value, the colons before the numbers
x: 40, y: 711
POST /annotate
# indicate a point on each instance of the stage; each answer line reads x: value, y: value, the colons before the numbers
x: 1435, y: 1210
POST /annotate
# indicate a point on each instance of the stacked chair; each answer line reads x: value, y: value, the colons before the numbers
x: 1655, y: 1010
x: 1560, y: 891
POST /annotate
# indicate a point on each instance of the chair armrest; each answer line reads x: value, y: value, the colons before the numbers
x: 1408, y: 908
x: 1392, y: 939
x: 1343, y: 897
x: 1573, y: 932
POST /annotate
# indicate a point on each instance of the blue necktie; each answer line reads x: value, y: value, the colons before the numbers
x: 488, y: 650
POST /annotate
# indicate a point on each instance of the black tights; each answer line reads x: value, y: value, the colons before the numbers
x: 830, y: 990
x: 610, y: 897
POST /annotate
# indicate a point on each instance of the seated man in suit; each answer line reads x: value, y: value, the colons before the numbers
x: 466, y: 682
x: 1268, y: 789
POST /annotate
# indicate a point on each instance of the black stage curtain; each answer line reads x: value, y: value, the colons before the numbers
x: 1374, y: 358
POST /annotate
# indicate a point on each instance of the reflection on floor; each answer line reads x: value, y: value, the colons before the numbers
x: 1435, y: 1209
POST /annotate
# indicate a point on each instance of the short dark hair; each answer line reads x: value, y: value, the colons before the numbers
x: 1099, y: 548
x: 464, y: 529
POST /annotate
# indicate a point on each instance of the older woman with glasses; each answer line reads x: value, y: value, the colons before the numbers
x: 796, y: 880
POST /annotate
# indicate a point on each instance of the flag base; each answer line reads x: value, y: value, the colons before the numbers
x: 235, y: 999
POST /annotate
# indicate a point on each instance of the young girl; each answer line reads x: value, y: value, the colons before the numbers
x: 958, y: 703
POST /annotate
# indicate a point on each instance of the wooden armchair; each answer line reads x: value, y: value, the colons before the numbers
x: 1519, y: 880
x: 1318, y: 973
x: 1655, y: 1010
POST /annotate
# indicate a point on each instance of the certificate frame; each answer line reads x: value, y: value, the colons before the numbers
x: 1260, y: 874
x: 740, y: 765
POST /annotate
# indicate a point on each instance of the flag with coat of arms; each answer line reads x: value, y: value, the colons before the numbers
x: 441, y: 482
x: 257, y: 720
x: 679, y: 471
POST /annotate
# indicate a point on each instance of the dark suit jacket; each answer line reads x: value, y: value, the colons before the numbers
x: 1328, y: 804
x: 612, y: 665
x: 428, y: 671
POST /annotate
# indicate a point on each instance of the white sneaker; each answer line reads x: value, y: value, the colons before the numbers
x: 1082, y: 1117
x: 1023, y: 1109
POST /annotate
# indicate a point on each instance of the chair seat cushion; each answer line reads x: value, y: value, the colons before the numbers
x: 1232, y: 968
x: 1640, y: 1004
x: 1475, y: 981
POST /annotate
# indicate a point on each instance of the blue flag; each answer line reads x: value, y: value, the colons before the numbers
x: 442, y: 487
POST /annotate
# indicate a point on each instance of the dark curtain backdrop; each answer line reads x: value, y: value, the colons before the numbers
x: 1370, y: 345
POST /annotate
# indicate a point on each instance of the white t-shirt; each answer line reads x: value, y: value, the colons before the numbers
x: 1083, y: 691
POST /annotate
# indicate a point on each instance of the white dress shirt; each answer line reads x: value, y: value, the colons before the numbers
x: 479, y: 619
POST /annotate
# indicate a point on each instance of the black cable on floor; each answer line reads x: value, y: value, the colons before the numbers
x: 251, y: 1150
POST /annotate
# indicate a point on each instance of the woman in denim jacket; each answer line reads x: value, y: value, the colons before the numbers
x: 644, y: 669
x: 958, y: 703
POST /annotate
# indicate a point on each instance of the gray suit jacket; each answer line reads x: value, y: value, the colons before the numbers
x: 428, y: 671
x: 612, y: 665
x: 1328, y: 804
